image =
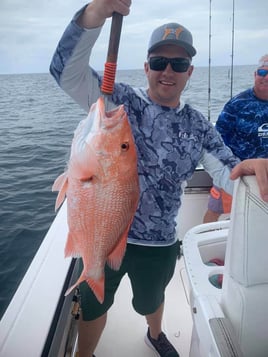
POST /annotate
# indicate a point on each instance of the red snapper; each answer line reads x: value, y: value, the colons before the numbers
x: 102, y: 189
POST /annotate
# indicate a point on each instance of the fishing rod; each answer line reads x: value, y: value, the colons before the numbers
x: 111, y: 60
x: 209, y: 59
x: 232, y: 54
x: 209, y: 63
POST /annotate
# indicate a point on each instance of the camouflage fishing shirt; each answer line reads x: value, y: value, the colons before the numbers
x: 170, y: 142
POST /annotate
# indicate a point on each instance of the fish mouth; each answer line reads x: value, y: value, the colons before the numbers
x: 109, y: 119
x: 113, y: 117
x: 100, y: 120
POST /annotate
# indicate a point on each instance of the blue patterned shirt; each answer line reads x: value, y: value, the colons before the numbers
x: 243, y: 125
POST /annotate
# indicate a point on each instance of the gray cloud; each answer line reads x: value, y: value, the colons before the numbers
x: 30, y: 31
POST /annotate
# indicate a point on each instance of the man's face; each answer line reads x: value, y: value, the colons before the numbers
x: 166, y: 86
x: 261, y: 83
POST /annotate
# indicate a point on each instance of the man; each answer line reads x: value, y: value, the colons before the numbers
x: 171, y: 138
x: 243, y: 125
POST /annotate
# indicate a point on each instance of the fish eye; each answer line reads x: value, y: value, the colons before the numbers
x: 125, y: 146
x: 86, y: 179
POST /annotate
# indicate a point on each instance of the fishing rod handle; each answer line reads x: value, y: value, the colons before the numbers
x: 111, y: 61
x: 114, y: 40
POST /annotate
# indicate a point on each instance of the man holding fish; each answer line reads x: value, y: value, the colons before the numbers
x: 171, y: 138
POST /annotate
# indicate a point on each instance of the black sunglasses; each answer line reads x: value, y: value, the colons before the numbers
x: 159, y: 63
x: 262, y: 72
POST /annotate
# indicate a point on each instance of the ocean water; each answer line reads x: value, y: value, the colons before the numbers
x: 37, y: 124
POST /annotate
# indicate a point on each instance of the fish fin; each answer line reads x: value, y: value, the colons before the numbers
x: 61, y: 185
x: 80, y: 280
x: 59, y: 182
x: 116, y: 256
x: 70, y: 249
x: 97, y: 286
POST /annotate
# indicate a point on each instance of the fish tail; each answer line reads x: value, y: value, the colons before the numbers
x: 97, y: 286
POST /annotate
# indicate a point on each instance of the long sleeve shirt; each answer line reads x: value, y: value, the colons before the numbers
x: 243, y: 125
x: 170, y: 142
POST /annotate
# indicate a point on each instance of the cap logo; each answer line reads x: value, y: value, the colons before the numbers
x: 174, y: 32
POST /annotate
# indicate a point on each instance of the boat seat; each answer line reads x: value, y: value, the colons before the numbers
x: 232, y: 321
x: 245, y: 284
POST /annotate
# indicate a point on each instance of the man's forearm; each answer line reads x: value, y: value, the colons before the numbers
x: 91, y: 17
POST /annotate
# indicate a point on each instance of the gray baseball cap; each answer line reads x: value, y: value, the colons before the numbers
x: 172, y: 34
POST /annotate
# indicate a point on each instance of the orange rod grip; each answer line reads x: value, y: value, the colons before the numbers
x: 110, y: 65
x: 108, y: 78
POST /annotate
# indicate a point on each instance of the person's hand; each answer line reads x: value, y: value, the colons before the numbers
x: 98, y: 11
x: 258, y: 167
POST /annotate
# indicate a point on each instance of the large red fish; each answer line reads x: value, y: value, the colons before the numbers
x: 102, y: 189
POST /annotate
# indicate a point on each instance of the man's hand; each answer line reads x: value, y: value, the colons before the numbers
x: 258, y: 167
x: 98, y: 11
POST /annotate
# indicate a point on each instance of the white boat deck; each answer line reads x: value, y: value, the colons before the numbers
x: 29, y: 325
x: 125, y: 329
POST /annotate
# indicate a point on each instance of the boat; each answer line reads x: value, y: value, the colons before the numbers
x: 201, y: 318
x: 41, y: 321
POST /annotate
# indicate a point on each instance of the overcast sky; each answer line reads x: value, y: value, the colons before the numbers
x: 30, y: 31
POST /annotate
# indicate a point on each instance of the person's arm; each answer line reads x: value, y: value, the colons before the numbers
x: 217, y: 158
x: 258, y: 167
x: 219, y: 169
x: 98, y: 11
x: 70, y: 63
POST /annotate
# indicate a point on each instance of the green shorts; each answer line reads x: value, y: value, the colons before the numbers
x: 149, y: 269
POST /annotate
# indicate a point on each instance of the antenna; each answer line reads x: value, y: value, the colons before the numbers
x: 209, y: 63
x: 232, y: 55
